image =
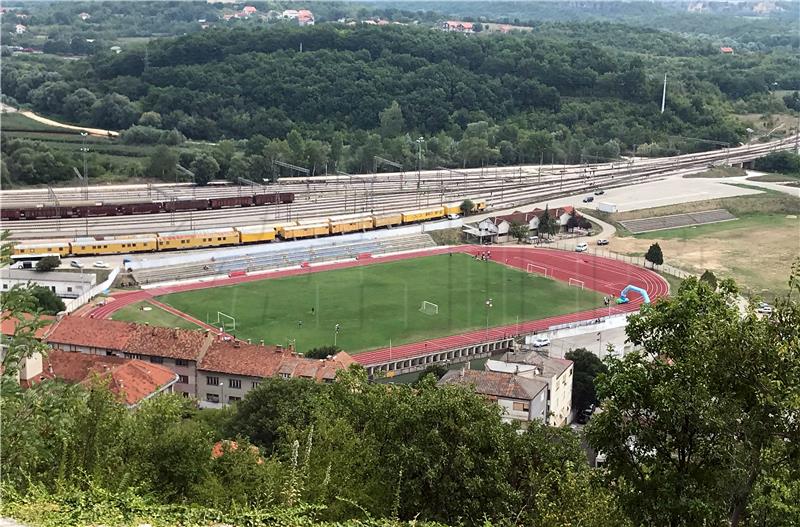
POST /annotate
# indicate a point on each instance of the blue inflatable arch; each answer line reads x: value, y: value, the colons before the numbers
x: 623, y: 296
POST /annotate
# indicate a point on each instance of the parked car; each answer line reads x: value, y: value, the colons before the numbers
x: 453, y: 216
x: 583, y: 417
x: 581, y: 247
x: 540, y: 342
x: 533, y: 239
x: 76, y: 264
x: 599, y: 192
x: 588, y: 199
x: 100, y: 264
x: 602, y: 241
x: 764, y: 308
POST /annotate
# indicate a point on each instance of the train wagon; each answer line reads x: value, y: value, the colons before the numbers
x: 197, y: 239
x: 87, y: 246
x: 479, y: 205
x: 140, y: 208
x: 185, y: 205
x: 59, y: 247
x: 286, y: 197
x: 41, y: 213
x: 386, y: 220
x: 344, y: 225
x: 232, y: 201
x: 91, y: 211
x: 10, y: 214
x: 423, y: 215
x: 256, y: 233
x: 452, y: 208
x: 266, y: 199
x: 304, y: 231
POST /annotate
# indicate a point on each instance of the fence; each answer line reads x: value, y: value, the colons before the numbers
x: 75, y: 303
x: 633, y: 260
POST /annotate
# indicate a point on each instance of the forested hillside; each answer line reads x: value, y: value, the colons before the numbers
x: 332, y: 97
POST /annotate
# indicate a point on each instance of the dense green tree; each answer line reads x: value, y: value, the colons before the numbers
x: 322, y: 352
x: 654, y: 255
x: 519, y: 231
x: 466, y: 207
x: 586, y: 367
x: 709, y: 278
x: 48, y: 263
x: 694, y: 422
x: 114, y: 111
x: 205, y: 168
x: 162, y: 163
x: 782, y: 162
x: 47, y: 301
x: 391, y: 119
x: 78, y: 105
x: 150, y: 119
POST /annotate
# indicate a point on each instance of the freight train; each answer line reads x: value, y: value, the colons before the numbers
x: 149, y: 207
x: 229, y: 236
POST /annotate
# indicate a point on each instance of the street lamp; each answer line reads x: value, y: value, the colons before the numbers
x: 419, y: 142
x: 222, y: 393
x: 488, y: 307
x: 85, y: 175
x: 336, y: 333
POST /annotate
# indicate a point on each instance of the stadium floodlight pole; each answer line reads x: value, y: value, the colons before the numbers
x: 85, y: 174
x: 419, y: 142
x: 488, y: 307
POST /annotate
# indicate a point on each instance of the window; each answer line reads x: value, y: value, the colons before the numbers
x: 521, y: 407
x: 234, y: 383
x: 285, y: 375
x: 255, y: 384
x: 134, y: 356
x: 181, y: 362
x: 212, y: 397
x: 157, y: 360
x: 5, y: 286
x: 212, y: 381
x: 185, y: 395
x: 233, y: 399
x: 183, y: 379
x: 69, y: 289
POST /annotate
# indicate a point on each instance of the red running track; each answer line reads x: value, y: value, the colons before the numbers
x: 600, y: 274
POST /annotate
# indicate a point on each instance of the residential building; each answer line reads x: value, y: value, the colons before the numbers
x: 500, y: 226
x: 63, y: 284
x: 84, y: 16
x: 20, y: 29
x: 520, y: 398
x: 133, y: 381
x: 557, y: 373
x: 290, y: 14
x: 33, y: 364
x: 726, y: 50
x: 305, y: 17
x: 249, y: 10
x: 458, y: 26
x: 229, y: 370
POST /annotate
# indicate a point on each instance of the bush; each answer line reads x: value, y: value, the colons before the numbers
x: 48, y: 263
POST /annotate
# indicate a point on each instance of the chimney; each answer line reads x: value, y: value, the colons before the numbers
x: 262, y: 342
x: 249, y: 341
x: 278, y: 348
x: 236, y: 344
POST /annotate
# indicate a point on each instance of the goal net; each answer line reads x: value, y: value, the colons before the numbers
x: 576, y: 283
x: 429, y: 308
x: 226, y: 322
x: 533, y: 268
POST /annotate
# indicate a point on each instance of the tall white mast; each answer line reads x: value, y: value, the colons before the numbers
x: 664, y: 94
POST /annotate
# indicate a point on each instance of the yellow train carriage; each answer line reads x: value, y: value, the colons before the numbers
x: 305, y: 231
x: 452, y: 208
x: 197, y: 239
x: 87, y: 246
x: 479, y: 205
x: 386, y: 220
x: 60, y: 247
x: 414, y: 216
x: 257, y: 233
x: 342, y: 226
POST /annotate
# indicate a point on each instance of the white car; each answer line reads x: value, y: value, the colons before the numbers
x: 764, y: 308
x: 581, y: 247
x: 540, y: 342
x: 100, y: 264
x: 453, y: 216
x: 76, y: 264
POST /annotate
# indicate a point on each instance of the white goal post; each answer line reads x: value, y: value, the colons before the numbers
x: 533, y: 268
x: 576, y: 282
x: 224, y: 320
x: 429, y: 308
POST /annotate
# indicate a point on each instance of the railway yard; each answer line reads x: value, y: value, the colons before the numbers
x: 340, y: 197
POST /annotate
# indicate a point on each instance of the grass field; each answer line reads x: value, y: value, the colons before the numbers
x: 376, y: 303
x: 155, y: 316
x: 775, y: 178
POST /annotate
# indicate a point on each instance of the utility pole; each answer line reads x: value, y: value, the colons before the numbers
x: 419, y: 160
x: 85, y: 174
x: 664, y: 94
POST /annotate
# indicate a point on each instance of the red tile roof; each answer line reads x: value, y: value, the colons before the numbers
x: 726, y: 49
x: 494, y: 384
x: 250, y: 360
x: 8, y: 326
x: 168, y: 342
x: 91, y: 332
x: 133, y: 380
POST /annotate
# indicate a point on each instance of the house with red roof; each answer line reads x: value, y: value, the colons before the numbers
x: 133, y: 381
x: 726, y: 50
x: 231, y: 369
x: 458, y: 26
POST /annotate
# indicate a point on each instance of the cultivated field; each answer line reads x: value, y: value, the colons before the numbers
x: 379, y: 302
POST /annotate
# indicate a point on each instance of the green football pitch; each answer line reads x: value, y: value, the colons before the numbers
x: 375, y: 303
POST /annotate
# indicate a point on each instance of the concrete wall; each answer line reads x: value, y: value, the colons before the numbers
x: 211, y: 394
x: 561, y: 398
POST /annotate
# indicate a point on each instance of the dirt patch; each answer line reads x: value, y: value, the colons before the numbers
x: 759, y: 259
x: 776, y: 203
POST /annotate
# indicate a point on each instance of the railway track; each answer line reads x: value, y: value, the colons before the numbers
x: 334, y: 195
